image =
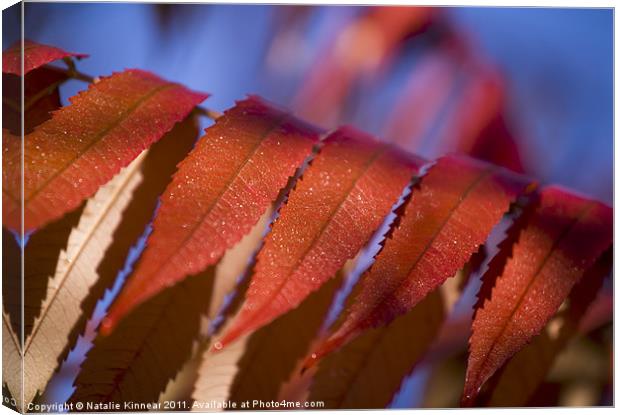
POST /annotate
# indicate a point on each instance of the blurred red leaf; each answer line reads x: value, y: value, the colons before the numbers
x: 359, y: 48
x: 448, y: 217
x: 35, y: 55
x: 562, y: 240
x: 476, y: 124
x: 600, y: 313
x: 426, y: 92
x: 218, y: 193
x: 336, y: 206
x: 83, y: 145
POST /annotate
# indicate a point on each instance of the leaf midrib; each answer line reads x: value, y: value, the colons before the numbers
x: 565, y: 232
x: 198, y: 224
x: 323, y: 228
x: 98, y: 137
x: 7, y: 323
x: 484, y: 174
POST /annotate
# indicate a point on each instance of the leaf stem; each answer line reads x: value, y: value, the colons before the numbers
x: 72, y: 72
x: 214, y: 115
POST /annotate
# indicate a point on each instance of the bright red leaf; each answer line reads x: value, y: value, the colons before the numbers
x: 218, y: 193
x: 563, y: 239
x: 35, y: 55
x: 336, y: 206
x: 83, y: 145
x: 447, y: 218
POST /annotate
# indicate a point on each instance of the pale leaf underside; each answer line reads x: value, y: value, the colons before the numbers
x: 12, y: 374
x: 162, y: 334
x: 237, y: 372
x: 228, y: 272
x: 74, y: 277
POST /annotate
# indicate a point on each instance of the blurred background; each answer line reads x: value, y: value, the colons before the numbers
x: 432, y: 80
x: 528, y: 88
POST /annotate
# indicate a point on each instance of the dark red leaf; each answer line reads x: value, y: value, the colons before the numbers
x: 563, y: 239
x: 41, y: 98
x: 476, y: 125
x: 517, y: 381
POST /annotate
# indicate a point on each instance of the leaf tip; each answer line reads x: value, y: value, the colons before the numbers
x: 227, y: 338
x: 120, y: 307
x: 324, y: 348
x: 107, y: 326
x: 471, y: 390
x: 310, y: 361
x: 467, y: 400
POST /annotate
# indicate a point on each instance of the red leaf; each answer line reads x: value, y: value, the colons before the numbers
x: 332, y: 213
x: 85, y: 144
x: 35, y: 55
x: 479, y: 102
x: 496, y: 144
x: 564, y: 238
x: 517, y: 381
x: 426, y: 92
x: 496, y: 265
x: 476, y: 124
x: 358, y: 49
x: 448, y: 217
x: 600, y: 313
x: 218, y: 193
